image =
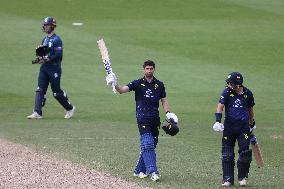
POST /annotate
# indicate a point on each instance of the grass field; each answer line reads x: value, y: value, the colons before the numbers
x: 194, y: 43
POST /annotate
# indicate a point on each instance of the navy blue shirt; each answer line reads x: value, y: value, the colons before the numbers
x: 237, y: 105
x: 55, y: 50
x: 147, y: 97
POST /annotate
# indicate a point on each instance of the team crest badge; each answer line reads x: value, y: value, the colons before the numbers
x: 156, y: 86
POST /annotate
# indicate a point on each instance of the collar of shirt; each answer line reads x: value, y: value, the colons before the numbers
x: 152, y: 81
x: 53, y: 35
x: 234, y: 92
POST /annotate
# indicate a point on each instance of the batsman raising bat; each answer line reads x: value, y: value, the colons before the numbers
x: 239, y: 117
x: 49, y: 55
x: 148, y: 92
x: 106, y: 59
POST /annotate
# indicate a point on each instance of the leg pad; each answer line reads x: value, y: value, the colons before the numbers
x: 228, y: 163
x: 147, y: 145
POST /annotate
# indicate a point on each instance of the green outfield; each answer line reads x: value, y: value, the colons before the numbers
x: 195, y: 44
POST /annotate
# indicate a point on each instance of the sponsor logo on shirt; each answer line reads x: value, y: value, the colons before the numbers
x: 149, y: 94
x: 238, y: 104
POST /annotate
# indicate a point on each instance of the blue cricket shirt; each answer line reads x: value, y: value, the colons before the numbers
x: 55, y: 50
x: 147, y: 97
x: 237, y: 105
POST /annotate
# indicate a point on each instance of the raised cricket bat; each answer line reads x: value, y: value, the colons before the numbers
x: 257, y: 153
x: 106, y: 59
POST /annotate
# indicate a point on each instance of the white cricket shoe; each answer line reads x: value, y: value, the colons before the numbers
x: 140, y: 175
x: 34, y: 115
x: 154, y: 177
x: 227, y: 184
x: 243, y: 182
x: 69, y: 113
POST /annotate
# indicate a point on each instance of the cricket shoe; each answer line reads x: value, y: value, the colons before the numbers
x: 226, y: 184
x: 69, y: 113
x: 243, y: 182
x: 140, y: 175
x: 34, y: 115
x: 154, y: 177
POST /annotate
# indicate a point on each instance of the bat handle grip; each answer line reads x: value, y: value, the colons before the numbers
x: 113, y: 88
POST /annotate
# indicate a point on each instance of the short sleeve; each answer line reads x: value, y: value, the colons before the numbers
x: 133, y: 85
x: 224, y: 96
x: 57, y: 44
x: 163, y: 91
x: 250, y: 99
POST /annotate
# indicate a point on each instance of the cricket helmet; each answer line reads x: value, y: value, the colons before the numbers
x: 170, y: 127
x: 49, y: 21
x: 235, y: 78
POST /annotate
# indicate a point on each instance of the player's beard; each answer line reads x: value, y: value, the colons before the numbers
x: 149, y: 75
x: 232, y: 86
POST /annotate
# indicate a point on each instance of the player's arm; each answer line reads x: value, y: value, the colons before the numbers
x: 220, y: 108
x: 57, y: 51
x: 251, y: 111
x: 251, y: 115
x: 221, y: 105
x: 251, y: 119
x: 122, y: 89
x: 218, y: 126
x: 169, y: 115
x: 165, y: 104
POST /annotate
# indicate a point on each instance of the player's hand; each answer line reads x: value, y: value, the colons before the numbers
x: 41, y: 60
x: 252, y: 126
x: 42, y: 51
x: 111, y: 79
x: 253, y: 139
x: 219, y: 127
x: 172, y: 116
x: 44, y: 59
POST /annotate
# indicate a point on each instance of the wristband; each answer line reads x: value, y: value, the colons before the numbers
x: 218, y: 117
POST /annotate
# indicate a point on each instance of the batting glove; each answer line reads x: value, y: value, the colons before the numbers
x: 253, y: 139
x: 252, y: 126
x: 219, y: 127
x: 111, y: 79
x: 172, y: 116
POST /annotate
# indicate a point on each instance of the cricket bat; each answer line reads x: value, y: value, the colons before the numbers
x: 106, y: 59
x: 257, y: 153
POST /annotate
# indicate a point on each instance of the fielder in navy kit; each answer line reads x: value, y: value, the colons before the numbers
x: 238, y: 124
x: 50, y: 72
x: 148, y: 92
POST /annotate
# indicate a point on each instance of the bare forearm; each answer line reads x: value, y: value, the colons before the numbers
x: 122, y: 89
x: 219, y: 108
x: 165, y: 104
x: 251, y: 115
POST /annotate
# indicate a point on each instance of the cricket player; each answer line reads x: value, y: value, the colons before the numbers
x: 238, y: 124
x: 50, y: 72
x: 148, y: 92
